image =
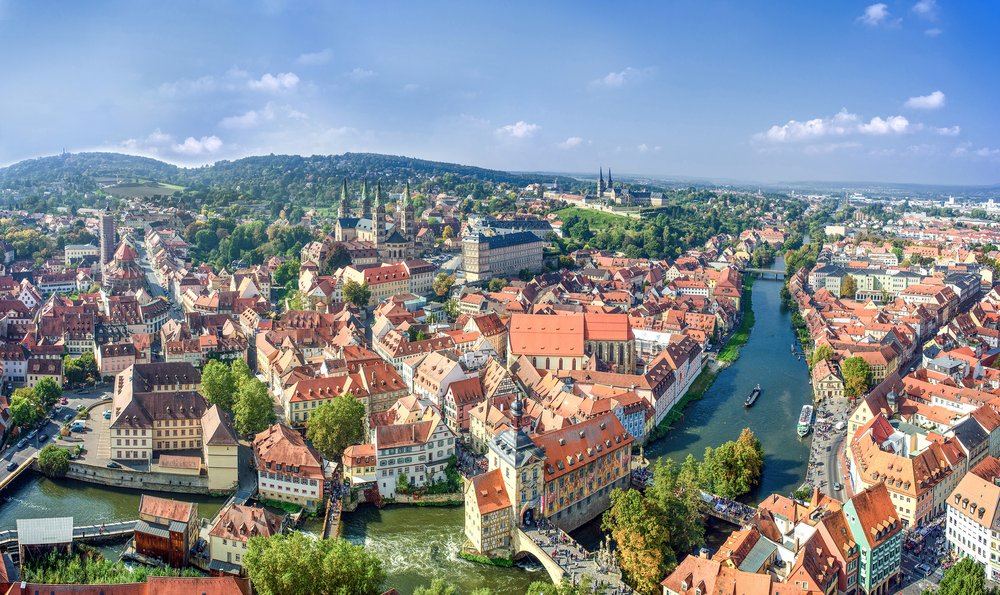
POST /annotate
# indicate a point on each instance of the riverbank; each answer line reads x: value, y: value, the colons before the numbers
x: 731, y: 350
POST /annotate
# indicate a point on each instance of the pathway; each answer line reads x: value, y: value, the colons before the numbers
x: 577, y: 565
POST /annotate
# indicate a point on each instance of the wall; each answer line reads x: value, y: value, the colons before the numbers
x: 453, y: 498
x: 123, y: 478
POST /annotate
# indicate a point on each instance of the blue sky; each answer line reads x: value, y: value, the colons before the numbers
x: 842, y: 91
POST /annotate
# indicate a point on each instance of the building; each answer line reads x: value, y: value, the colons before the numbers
x: 368, y: 229
x: 973, y: 517
x: 359, y: 464
x: 166, y: 530
x: 41, y: 537
x: 288, y: 470
x: 827, y: 383
x: 113, y: 358
x: 568, y: 342
x: 154, y: 585
x: 488, y: 515
x: 107, y: 236
x: 234, y: 526
x: 877, y: 529
x: 41, y: 368
x: 418, y: 452
x: 498, y: 255
x: 77, y: 252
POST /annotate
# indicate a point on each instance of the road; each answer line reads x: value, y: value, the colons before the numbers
x: 52, y: 426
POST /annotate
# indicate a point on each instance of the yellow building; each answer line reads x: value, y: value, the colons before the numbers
x: 827, y: 383
x: 488, y: 515
x: 221, y: 452
x: 359, y: 463
x: 384, y: 281
x: 228, y: 537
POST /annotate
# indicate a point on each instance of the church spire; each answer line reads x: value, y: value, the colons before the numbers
x: 342, y: 210
x: 406, y: 194
x: 366, y: 205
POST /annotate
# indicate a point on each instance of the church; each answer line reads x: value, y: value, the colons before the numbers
x: 368, y: 226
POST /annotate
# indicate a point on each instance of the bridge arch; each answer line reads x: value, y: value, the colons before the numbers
x: 524, y: 546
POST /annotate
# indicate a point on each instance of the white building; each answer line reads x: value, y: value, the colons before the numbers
x: 973, y: 522
x: 419, y: 451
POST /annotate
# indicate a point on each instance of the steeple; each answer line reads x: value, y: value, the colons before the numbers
x: 405, y: 215
x: 344, y: 209
x: 611, y: 185
x: 366, y: 205
x: 600, y: 185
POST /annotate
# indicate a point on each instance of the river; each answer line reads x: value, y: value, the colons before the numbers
x: 418, y: 544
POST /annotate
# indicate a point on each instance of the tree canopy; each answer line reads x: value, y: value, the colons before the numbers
x: 968, y: 577
x: 53, y: 461
x: 857, y: 375
x: 218, y: 385
x: 253, y: 410
x: 336, y: 424
x: 357, y: 293
x: 295, y: 563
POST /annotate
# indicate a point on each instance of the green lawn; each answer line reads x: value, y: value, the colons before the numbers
x: 592, y: 217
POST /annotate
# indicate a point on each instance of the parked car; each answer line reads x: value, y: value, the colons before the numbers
x: 63, y: 401
x: 113, y: 465
x: 11, y: 466
x: 107, y: 414
x: 23, y: 443
x: 32, y: 434
x: 43, y: 438
x: 837, y: 486
x: 923, y: 569
x: 68, y: 417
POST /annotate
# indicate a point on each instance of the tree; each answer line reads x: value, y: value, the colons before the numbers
x: 497, y: 283
x: 443, y: 283
x: 447, y: 232
x: 336, y: 424
x: 563, y: 588
x: 965, y: 578
x: 337, y: 257
x: 218, y: 385
x: 848, y: 287
x: 48, y: 392
x: 286, y: 272
x: 452, y: 309
x: 819, y: 354
x: 88, y: 364
x: 72, y: 371
x: 734, y: 467
x: 857, y: 375
x: 677, y: 493
x: 241, y: 371
x: 24, y: 409
x: 53, y: 461
x: 524, y: 275
x: 357, y: 293
x: 253, y: 410
x: 295, y: 563
x: 638, y: 527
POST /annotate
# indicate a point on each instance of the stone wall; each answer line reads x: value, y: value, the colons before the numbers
x: 590, y: 507
x: 138, y: 480
x: 455, y: 498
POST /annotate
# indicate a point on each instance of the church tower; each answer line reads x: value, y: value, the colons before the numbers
x: 366, y: 205
x: 611, y: 186
x: 344, y: 210
x: 406, y: 223
x: 600, y: 184
x: 378, y: 220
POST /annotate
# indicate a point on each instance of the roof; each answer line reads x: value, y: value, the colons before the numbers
x: 215, y: 430
x: 165, y: 508
x: 875, y: 513
x: 576, y: 446
x: 154, y: 585
x: 282, y: 447
x: 541, y: 334
x: 241, y: 522
x: 491, y: 494
x: 46, y: 531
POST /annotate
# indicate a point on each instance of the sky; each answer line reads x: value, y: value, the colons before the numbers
x: 902, y: 91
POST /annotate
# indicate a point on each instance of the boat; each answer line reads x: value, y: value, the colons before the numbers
x: 753, y: 397
x: 805, y: 420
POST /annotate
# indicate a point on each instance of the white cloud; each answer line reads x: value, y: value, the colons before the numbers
x: 315, y: 58
x: 248, y: 119
x: 613, y: 80
x: 159, y: 144
x: 840, y: 124
x: 890, y: 125
x: 199, y: 146
x: 283, y: 81
x: 933, y: 101
x: 185, y: 87
x: 518, y: 130
x: 642, y: 148
x: 875, y: 14
x: 361, y: 74
x: 932, y: 32
x: 571, y: 142
x: 827, y: 148
x: 926, y: 9
x: 949, y: 131
x: 987, y: 152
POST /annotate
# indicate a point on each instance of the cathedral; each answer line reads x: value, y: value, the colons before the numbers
x: 368, y: 227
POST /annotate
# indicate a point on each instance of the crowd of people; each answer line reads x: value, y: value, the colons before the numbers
x: 733, y: 508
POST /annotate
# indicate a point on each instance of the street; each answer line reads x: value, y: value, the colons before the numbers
x: 824, y: 466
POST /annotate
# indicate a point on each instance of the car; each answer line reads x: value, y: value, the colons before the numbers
x: 81, y: 408
x: 63, y: 401
x: 54, y: 414
x: 837, y: 486
x: 68, y: 417
x: 107, y: 414
x: 32, y: 434
x: 43, y: 438
x: 11, y: 466
x: 23, y: 443
x: 113, y: 465
x: 923, y: 569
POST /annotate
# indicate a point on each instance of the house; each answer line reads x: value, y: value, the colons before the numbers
x: 973, y: 517
x: 166, y: 529
x: 112, y: 358
x: 418, y: 452
x: 488, y: 515
x: 234, y: 526
x: 827, y: 383
x: 872, y: 520
x: 457, y: 404
x: 359, y: 464
x: 39, y: 369
x: 288, y: 470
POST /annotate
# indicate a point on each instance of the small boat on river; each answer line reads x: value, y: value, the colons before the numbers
x: 805, y: 421
x: 752, y: 398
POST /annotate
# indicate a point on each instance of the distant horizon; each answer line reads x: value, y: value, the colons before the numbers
x: 679, y: 178
x: 902, y: 91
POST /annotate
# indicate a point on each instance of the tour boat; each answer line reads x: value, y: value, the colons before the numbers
x: 805, y: 420
x: 753, y: 397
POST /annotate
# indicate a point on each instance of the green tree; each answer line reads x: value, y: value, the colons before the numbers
x: 88, y: 364
x: 734, y: 467
x: 497, y: 283
x: 241, y: 371
x: 24, y: 408
x: 336, y: 424
x: 447, y: 232
x: 638, y: 526
x: 72, y: 371
x: 452, y: 309
x: 443, y: 283
x: 676, y: 491
x: 286, y: 272
x: 336, y: 258
x: 53, y: 461
x: 295, y: 563
x: 48, y: 392
x: 819, y: 354
x: 965, y: 578
x: 848, y: 287
x: 253, y: 410
x: 357, y: 293
x: 857, y: 375
x: 218, y: 385
x: 563, y: 588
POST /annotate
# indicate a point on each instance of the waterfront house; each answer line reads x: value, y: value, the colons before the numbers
x: 876, y: 528
x: 488, y: 515
x: 418, y: 451
x: 166, y: 529
x: 288, y: 470
x: 234, y: 526
x: 827, y: 383
x: 359, y: 464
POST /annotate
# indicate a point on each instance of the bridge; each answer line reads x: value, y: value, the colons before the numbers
x: 331, y: 522
x: 17, y: 472
x: 765, y: 273
x: 730, y: 511
x: 86, y: 534
x: 563, y: 558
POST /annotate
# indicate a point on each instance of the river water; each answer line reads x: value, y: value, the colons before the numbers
x: 418, y: 544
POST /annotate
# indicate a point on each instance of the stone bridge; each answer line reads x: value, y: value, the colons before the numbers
x: 765, y: 273
x: 525, y: 545
x: 584, y: 567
